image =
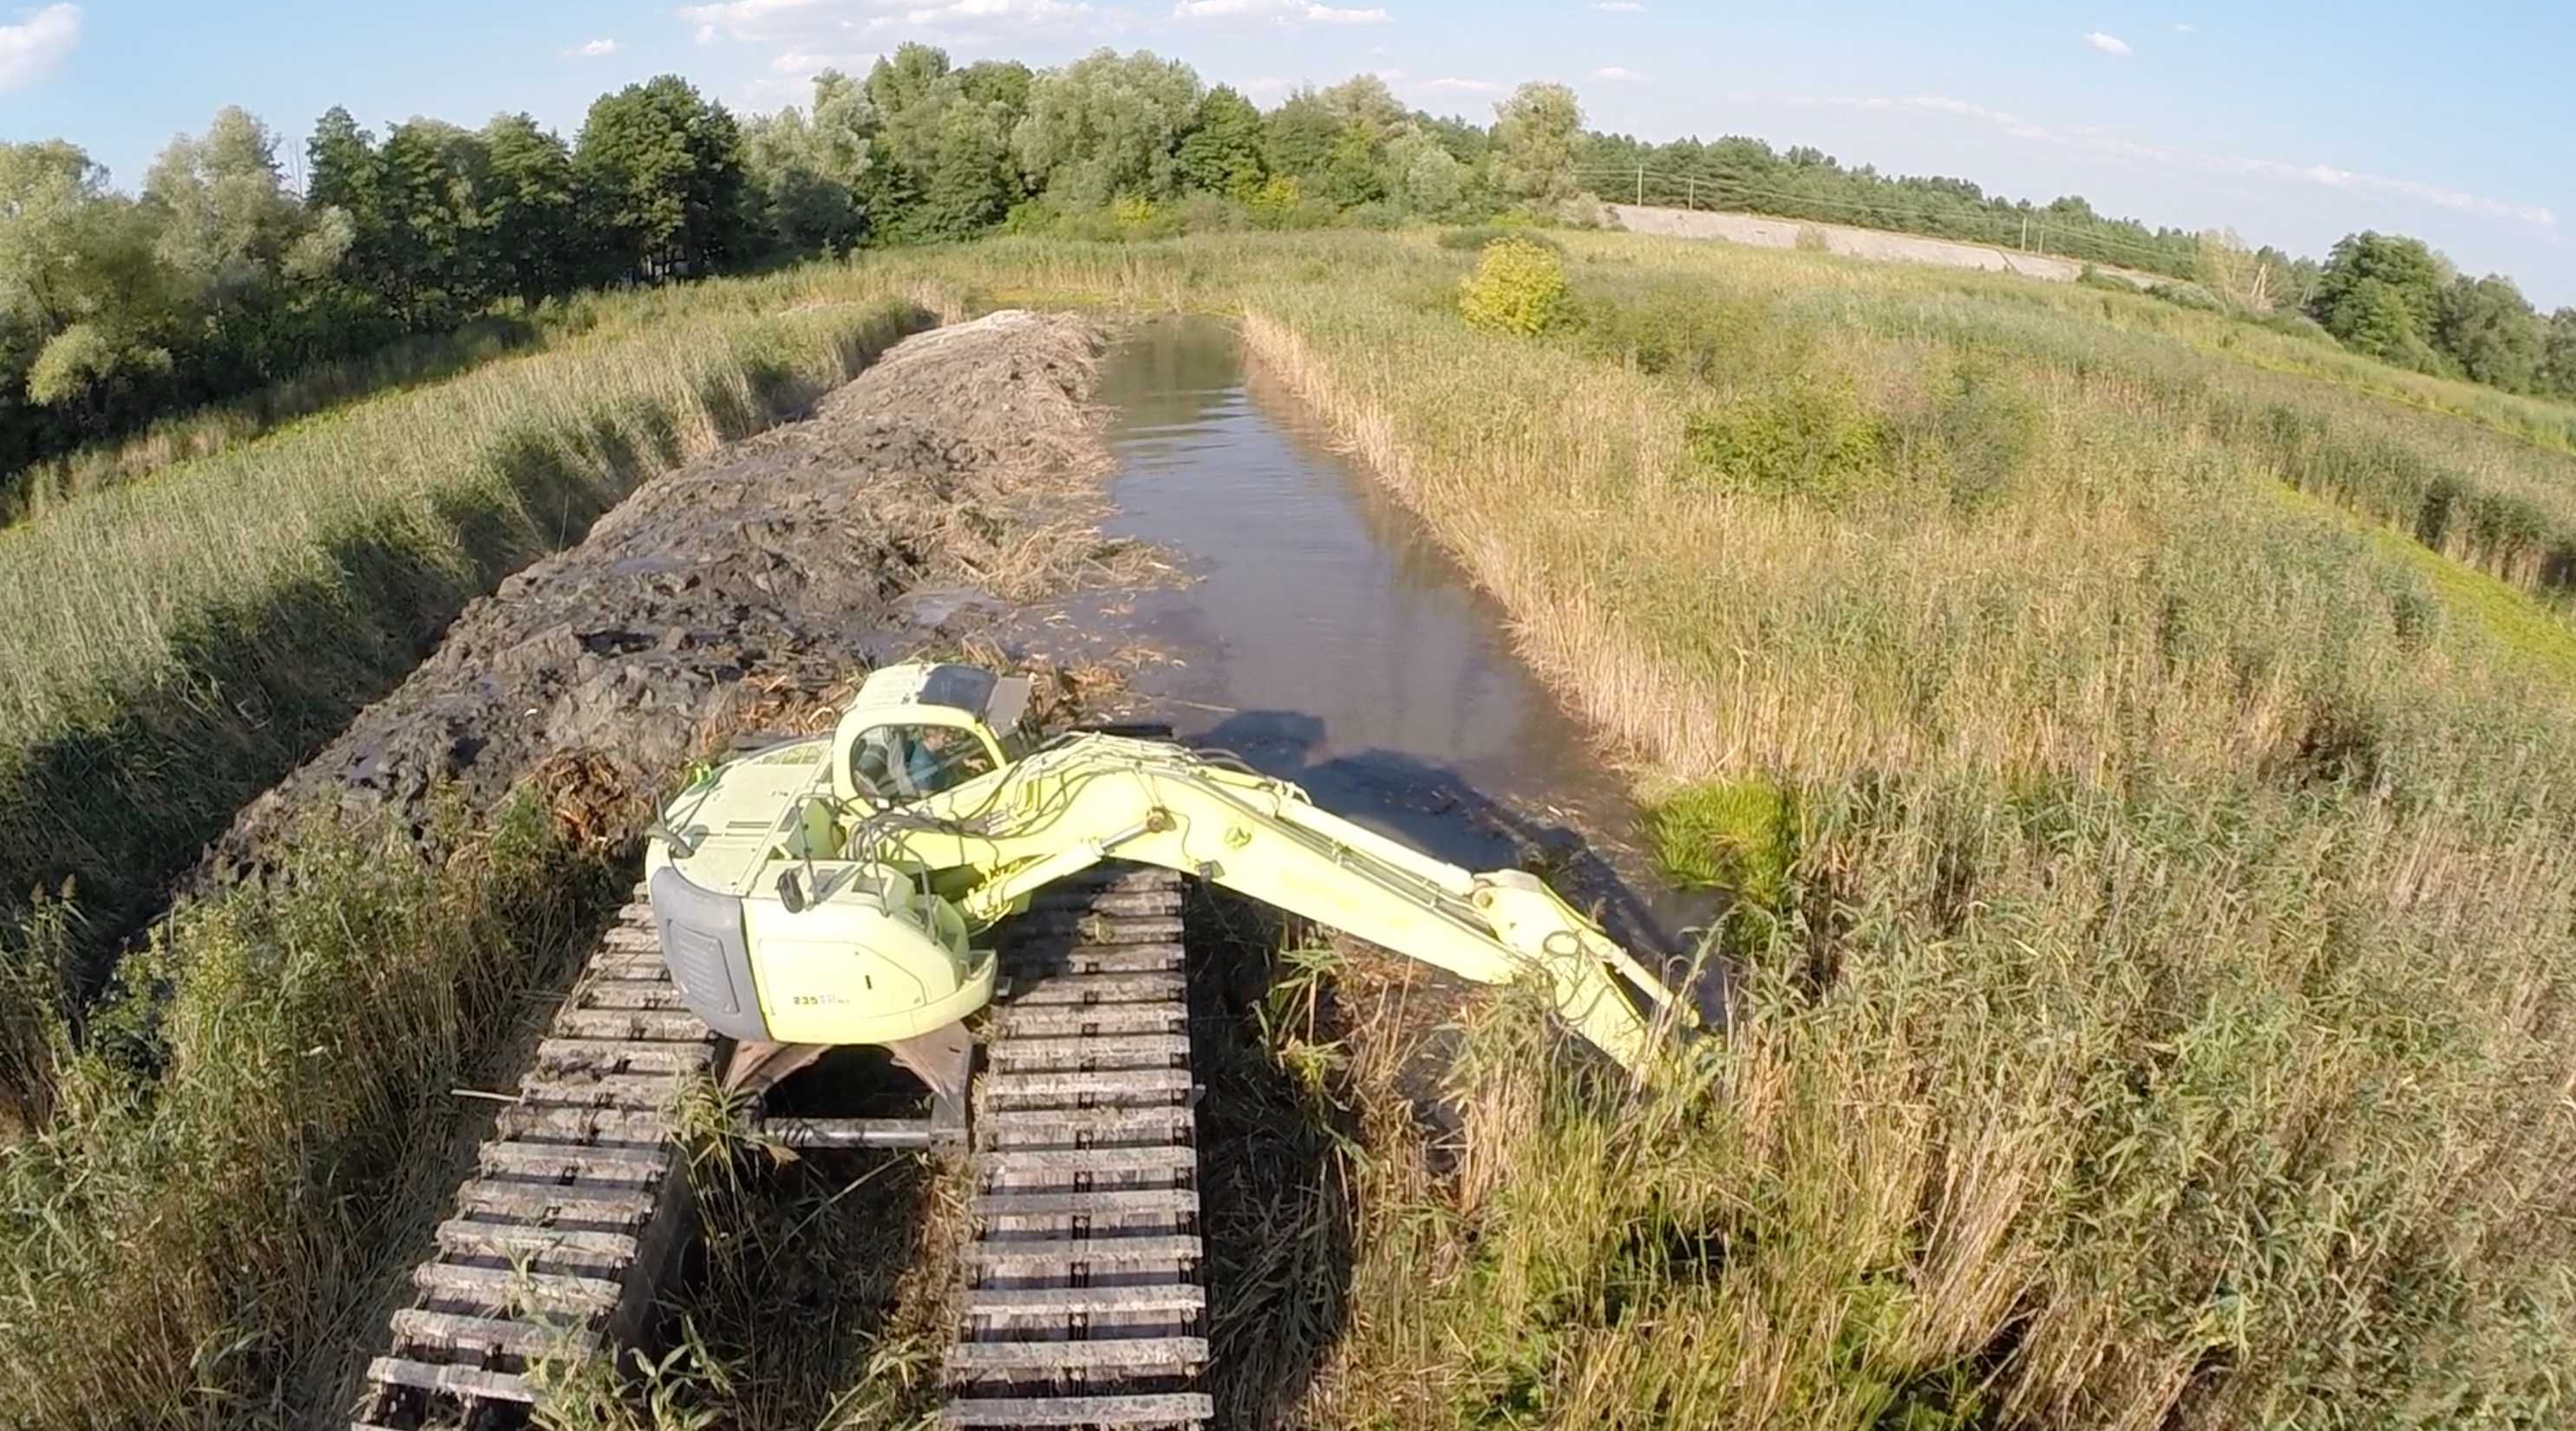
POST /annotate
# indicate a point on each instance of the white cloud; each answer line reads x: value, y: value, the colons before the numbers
x: 1026, y: 12
x: 30, y: 49
x: 1463, y: 86
x: 1616, y: 75
x: 1285, y: 12
x: 2107, y: 44
x: 742, y: 19
x: 595, y: 47
x: 2184, y: 27
x: 827, y: 27
x: 2100, y: 141
x: 800, y: 64
x: 1619, y: 7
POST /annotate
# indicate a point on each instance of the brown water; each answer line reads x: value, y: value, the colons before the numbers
x: 1327, y: 640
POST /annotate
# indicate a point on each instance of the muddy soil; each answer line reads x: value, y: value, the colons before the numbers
x: 952, y: 478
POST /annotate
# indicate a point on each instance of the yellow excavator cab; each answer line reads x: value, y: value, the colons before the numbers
x: 915, y: 731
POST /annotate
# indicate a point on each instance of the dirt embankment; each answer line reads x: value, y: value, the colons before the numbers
x: 954, y: 475
x: 1759, y: 232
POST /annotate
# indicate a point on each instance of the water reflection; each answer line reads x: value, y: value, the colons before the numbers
x: 1327, y: 640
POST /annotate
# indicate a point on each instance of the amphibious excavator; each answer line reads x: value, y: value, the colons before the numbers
x: 1002, y: 915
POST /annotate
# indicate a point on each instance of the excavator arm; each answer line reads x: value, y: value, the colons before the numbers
x: 1094, y: 797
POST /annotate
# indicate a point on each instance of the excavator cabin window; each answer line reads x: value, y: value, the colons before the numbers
x: 898, y: 764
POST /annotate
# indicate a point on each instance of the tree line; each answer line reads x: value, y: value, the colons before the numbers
x: 217, y: 276
x: 1806, y: 183
x: 2386, y: 295
x: 2396, y: 298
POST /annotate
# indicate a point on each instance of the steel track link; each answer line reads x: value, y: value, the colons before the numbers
x: 1084, y: 1304
x: 578, y: 1205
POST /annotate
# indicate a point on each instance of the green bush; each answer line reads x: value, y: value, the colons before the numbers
x: 1212, y: 214
x: 2185, y: 295
x: 1278, y: 204
x: 1736, y: 835
x: 2293, y: 323
x: 1475, y: 237
x: 196, y: 1233
x: 1375, y: 214
x: 2092, y: 277
x: 1690, y: 332
x: 1973, y: 437
x: 1518, y: 287
x: 1799, y: 438
x: 1031, y: 218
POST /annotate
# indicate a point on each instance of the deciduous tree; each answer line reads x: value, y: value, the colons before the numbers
x: 663, y: 167
x: 1107, y: 124
x: 529, y: 213
x: 1534, y: 137
x: 1221, y: 152
x: 2490, y: 330
x: 2558, y: 360
x: 2381, y: 294
x: 1297, y: 137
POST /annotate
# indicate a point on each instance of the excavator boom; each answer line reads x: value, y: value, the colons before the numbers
x: 831, y: 891
x: 1100, y: 796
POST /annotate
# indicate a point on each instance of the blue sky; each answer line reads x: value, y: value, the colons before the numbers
x: 2293, y: 126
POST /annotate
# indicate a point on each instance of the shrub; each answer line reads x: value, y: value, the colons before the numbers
x: 1972, y: 437
x: 1737, y: 835
x: 1691, y: 332
x: 2185, y: 295
x: 1212, y: 214
x: 1276, y: 203
x: 194, y: 1234
x: 1800, y: 438
x: 1375, y: 214
x: 2295, y: 324
x: 2092, y: 277
x: 1031, y: 218
x: 1474, y: 237
x: 1518, y: 287
x: 1811, y: 239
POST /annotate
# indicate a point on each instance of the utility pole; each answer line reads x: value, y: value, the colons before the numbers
x: 1641, y: 185
x: 2025, y: 233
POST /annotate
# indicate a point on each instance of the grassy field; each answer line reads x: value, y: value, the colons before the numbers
x: 47, y: 484
x: 177, y: 644
x: 2158, y: 927
x: 2146, y: 831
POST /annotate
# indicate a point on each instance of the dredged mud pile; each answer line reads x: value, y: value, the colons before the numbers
x: 754, y: 581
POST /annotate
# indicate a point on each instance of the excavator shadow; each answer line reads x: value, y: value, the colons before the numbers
x: 1434, y: 809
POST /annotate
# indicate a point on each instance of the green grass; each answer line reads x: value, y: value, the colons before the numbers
x: 246, y: 1154
x: 2166, y: 1018
x: 44, y: 485
x: 2163, y: 1019
x: 1735, y: 835
x: 175, y: 645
